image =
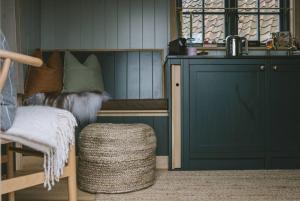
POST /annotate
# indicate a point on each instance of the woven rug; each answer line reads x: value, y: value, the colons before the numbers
x: 254, y: 185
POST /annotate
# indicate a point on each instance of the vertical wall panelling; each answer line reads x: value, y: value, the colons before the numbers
x: 136, y: 24
x: 74, y: 27
x: 148, y: 23
x: 48, y: 24
x: 61, y: 16
x: 111, y: 26
x: 121, y: 75
x: 128, y: 74
x: 108, y: 68
x: 123, y: 24
x: 99, y: 24
x: 161, y: 23
x: 25, y: 27
x: 160, y: 126
x: 172, y: 28
x: 146, y: 72
x: 28, y: 34
x: 87, y: 27
x: 35, y: 21
x: 157, y: 75
x: 133, y: 72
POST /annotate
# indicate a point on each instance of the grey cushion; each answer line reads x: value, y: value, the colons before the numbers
x: 8, y: 96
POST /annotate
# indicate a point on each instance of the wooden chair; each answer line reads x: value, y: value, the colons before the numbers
x: 12, y: 184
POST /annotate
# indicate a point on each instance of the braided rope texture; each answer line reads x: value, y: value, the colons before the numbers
x: 116, y: 158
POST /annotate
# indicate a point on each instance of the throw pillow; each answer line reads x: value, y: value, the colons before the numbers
x: 47, y: 78
x: 80, y: 77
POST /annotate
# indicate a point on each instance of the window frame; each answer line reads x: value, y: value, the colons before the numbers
x: 231, y: 18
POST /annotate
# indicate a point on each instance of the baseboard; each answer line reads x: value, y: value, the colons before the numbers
x: 162, y: 162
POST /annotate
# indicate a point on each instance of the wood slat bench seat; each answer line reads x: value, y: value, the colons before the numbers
x: 135, y: 107
x: 136, y: 104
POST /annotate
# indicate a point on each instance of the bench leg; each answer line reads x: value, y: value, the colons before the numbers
x: 72, y: 184
x: 10, y: 169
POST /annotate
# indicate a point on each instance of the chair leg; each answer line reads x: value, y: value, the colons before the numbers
x: 72, y: 184
x: 10, y: 169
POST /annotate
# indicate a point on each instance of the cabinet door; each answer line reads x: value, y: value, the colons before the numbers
x: 284, y: 146
x: 225, y: 117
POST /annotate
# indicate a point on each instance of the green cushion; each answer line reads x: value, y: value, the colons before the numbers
x: 82, y: 77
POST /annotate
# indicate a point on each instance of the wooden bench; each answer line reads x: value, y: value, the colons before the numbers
x: 135, y: 108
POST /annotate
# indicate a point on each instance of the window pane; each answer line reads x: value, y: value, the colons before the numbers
x: 268, y: 25
x: 197, y: 29
x: 273, y: 5
x: 214, y: 5
x: 214, y: 28
x: 247, y: 5
x: 248, y: 26
x: 192, y: 5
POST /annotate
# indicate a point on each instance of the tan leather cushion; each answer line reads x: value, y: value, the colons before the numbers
x: 48, y: 78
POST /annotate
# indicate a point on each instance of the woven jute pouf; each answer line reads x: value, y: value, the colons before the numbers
x: 116, y: 158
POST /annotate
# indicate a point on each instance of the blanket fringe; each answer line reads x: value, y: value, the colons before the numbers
x: 55, y: 160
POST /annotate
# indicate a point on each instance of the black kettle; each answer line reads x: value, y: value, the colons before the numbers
x: 236, y: 46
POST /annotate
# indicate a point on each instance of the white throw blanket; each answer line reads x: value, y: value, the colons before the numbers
x: 46, y: 129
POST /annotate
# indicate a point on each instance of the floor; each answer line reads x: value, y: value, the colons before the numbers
x: 244, y: 185
x: 276, y: 185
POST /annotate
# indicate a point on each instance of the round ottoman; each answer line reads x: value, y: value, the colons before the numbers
x: 116, y: 158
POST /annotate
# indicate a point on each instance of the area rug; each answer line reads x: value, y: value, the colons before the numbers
x: 247, y: 185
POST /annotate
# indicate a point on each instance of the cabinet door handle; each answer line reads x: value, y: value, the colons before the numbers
x: 275, y: 68
x: 177, y: 84
x: 262, y: 68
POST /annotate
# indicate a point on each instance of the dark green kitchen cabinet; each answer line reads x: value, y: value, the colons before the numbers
x: 284, y: 115
x: 238, y: 113
x: 225, y: 111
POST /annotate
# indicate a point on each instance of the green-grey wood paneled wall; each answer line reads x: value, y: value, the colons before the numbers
x: 29, y: 27
x: 129, y: 74
x: 111, y: 24
x: 28, y: 14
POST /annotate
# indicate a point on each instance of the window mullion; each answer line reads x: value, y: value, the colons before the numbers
x: 284, y: 15
x: 233, y: 17
x: 203, y: 22
x: 258, y: 21
x: 227, y: 19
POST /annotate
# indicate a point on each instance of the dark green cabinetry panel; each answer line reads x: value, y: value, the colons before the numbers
x: 224, y: 107
x: 239, y: 113
x: 284, y: 135
x: 225, y: 116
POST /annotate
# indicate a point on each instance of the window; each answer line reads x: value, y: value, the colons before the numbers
x: 213, y: 20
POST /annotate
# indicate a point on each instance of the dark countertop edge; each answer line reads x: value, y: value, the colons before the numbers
x: 230, y: 57
x: 260, y: 48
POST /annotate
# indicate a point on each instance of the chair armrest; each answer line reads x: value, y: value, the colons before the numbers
x: 12, y: 56
x: 21, y: 58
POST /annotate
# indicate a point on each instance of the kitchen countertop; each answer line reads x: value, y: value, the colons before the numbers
x: 229, y: 57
